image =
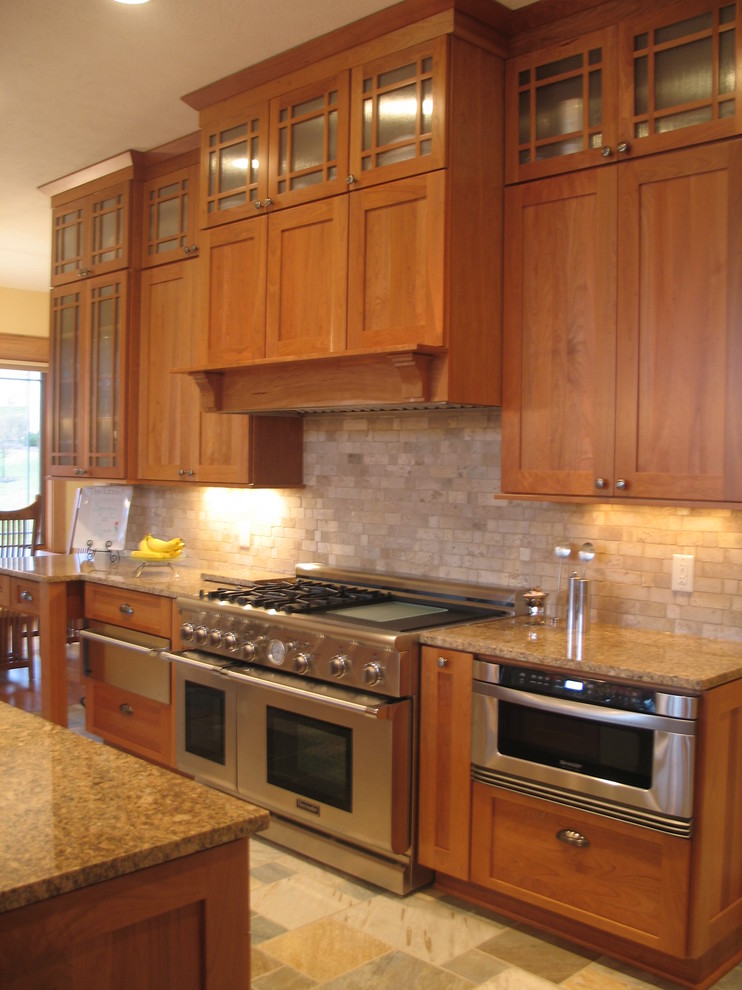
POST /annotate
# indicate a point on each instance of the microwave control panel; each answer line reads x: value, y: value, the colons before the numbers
x: 607, y: 694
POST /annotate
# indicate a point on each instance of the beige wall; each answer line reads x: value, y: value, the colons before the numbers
x: 414, y: 493
x: 24, y: 312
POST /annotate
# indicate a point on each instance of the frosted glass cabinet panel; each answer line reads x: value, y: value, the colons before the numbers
x: 234, y: 160
x: 170, y: 217
x: 91, y: 235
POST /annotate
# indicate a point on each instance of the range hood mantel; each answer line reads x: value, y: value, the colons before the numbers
x: 396, y: 377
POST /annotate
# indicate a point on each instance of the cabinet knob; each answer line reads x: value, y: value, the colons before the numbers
x: 606, y: 151
x: 126, y: 709
x: 190, y: 249
x: 601, y: 483
x: 442, y: 662
x: 260, y: 204
x: 126, y: 609
x: 573, y: 838
x: 351, y: 180
x: 621, y: 484
x: 26, y: 596
x: 623, y: 147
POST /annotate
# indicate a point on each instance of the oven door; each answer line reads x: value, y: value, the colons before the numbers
x: 205, y: 720
x: 337, y: 760
x: 629, y: 765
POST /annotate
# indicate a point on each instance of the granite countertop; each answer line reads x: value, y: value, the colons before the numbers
x: 687, y: 663
x: 180, y: 578
x: 74, y: 813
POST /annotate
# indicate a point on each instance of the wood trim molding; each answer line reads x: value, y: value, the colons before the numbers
x: 17, y: 348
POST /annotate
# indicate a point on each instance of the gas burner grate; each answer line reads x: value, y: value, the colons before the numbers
x: 297, y: 597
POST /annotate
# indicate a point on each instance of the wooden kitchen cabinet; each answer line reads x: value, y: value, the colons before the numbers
x: 131, y: 609
x: 86, y: 401
x: 622, y: 350
x: 625, y: 879
x: 170, y: 216
x: 91, y: 234
x: 445, y: 761
x: 177, y: 440
x: 654, y: 81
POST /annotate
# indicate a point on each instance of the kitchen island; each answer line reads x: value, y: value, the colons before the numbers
x: 115, y: 872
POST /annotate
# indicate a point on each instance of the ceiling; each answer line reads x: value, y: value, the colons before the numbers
x: 83, y: 80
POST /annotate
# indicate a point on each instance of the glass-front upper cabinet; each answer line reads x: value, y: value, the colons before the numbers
x: 678, y: 78
x: 170, y: 222
x: 398, y: 114
x: 561, y: 107
x: 309, y: 142
x: 91, y: 235
x: 234, y: 163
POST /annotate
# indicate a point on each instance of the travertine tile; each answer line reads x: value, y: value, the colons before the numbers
x: 395, y: 971
x: 326, y: 949
x: 296, y: 901
x: 544, y: 956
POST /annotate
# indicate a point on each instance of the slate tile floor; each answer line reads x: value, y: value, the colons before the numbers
x: 313, y: 927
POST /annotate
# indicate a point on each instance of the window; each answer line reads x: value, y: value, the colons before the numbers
x: 20, y: 437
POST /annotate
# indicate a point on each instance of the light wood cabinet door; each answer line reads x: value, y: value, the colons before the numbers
x: 445, y: 761
x: 679, y: 353
x: 233, y: 291
x: 624, y: 879
x: 560, y: 334
x: 170, y: 217
x: 87, y: 380
x: 396, y: 273
x: 307, y: 279
x: 561, y: 107
x: 91, y: 234
x: 234, y: 161
x: 398, y: 114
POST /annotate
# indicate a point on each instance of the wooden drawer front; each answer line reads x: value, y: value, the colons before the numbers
x: 25, y: 596
x: 4, y: 591
x: 131, y: 609
x: 630, y: 881
x: 130, y: 721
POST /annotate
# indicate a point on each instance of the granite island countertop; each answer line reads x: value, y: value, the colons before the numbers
x: 74, y: 812
x: 687, y: 663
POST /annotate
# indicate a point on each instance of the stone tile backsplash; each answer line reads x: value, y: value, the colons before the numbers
x: 414, y: 493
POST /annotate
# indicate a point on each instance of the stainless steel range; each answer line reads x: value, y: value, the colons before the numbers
x: 301, y: 695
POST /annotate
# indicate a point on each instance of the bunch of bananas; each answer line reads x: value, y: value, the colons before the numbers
x: 151, y: 548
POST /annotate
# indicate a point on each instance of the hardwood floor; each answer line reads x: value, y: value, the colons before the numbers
x: 15, y: 688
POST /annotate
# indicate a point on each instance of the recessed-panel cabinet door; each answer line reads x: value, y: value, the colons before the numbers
x: 233, y: 268
x: 307, y: 279
x: 396, y: 274
x: 679, y: 403
x: 560, y: 334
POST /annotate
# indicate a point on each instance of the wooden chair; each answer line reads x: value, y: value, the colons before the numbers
x: 19, y: 537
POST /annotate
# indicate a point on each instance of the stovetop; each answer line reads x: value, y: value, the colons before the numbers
x: 294, y: 596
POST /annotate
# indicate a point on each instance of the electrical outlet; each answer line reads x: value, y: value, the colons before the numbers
x: 682, y: 572
x: 244, y: 534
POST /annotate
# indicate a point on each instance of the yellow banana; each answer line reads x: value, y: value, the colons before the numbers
x: 153, y: 543
x: 155, y: 554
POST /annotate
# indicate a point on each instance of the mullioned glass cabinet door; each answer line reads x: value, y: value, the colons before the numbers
x: 398, y: 114
x: 678, y: 76
x: 91, y: 235
x: 169, y: 222
x: 234, y: 165
x: 561, y: 107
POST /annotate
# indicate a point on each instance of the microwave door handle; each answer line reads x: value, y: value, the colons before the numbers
x: 373, y: 711
x: 124, y: 644
x: 577, y: 709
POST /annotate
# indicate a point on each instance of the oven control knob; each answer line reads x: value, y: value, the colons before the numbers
x: 248, y: 650
x: 339, y: 665
x: 186, y: 632
x: 200, y: 635
x: 215, y: 638
x: 373, y: 673
x: 302, y: 662
x: 230, y: 642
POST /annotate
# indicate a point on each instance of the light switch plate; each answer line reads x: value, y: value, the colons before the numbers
x: 682, y: 572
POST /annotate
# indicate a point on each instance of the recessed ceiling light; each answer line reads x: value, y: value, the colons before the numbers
x: 132, y: 1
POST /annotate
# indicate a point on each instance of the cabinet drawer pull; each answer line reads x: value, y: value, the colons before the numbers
x: 442, y: 662
x: 26, y: 596
x: 126, y: 609
x: 126, y: 709
x: 573, y: 838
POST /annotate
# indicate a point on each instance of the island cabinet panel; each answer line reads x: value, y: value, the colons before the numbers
x: 130, y: 721
x: 445, y: 760
x: 716, y: 906
x: 623, y: 879
x: 181, y: 924
x: 131, y: 609
x: 623, y: 349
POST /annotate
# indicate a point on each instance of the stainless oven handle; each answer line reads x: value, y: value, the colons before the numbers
x: 123, y: 644
x: 577, y: 709
x: 190, y: 662
x: 373, y: 711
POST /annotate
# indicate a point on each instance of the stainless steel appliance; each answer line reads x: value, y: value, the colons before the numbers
x: 301, y: 696
x: 618, y: 749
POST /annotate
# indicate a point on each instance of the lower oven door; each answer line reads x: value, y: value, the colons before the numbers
x: 628, y: 765
x: 337, y: 760
x: 205, y: 720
